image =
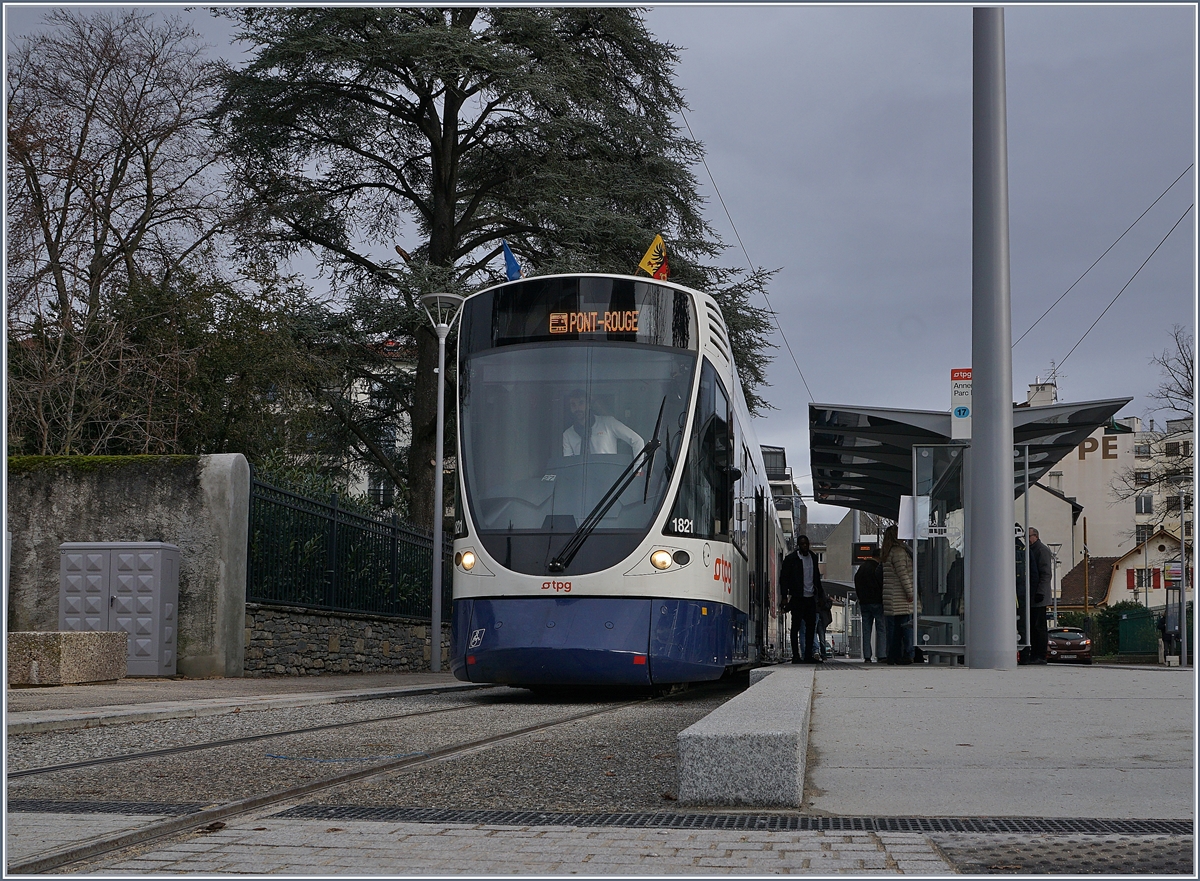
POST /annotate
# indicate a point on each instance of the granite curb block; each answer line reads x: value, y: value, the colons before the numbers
x: 35, y: 721
x: 751, y: 750
x: 60, y: 657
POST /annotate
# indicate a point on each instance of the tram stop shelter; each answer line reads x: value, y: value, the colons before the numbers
x: 871, y: 458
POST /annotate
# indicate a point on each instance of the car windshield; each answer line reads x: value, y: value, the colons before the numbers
x: 1066, y: 634
x: 548, y: 428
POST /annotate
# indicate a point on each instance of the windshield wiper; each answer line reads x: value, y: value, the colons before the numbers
x: 592, y: 520
x: 650, y: 464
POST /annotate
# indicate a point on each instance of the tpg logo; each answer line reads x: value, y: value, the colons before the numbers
x: 723, y: 571
x: 556, y: 586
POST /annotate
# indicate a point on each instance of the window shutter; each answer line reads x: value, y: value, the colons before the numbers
x: 1157, y: 579
x: 1130, y: 574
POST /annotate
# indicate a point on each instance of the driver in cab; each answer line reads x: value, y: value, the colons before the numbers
x: 594, y: 432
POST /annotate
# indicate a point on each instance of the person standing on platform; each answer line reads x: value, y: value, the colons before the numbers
x: 1041, y: 578
x: 897, y: 596
x: 800, y: 583
x: 868, y: 584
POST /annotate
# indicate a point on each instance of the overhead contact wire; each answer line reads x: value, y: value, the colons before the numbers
x: 1101, y: 257
x: 1128, y: 283
x: 749, y: 262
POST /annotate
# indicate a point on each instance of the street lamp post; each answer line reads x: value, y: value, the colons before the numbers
x: 443, y: 310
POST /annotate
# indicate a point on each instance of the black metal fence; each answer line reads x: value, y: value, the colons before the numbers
x: 313, y: 554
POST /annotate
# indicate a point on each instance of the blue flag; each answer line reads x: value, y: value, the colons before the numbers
x: 511, y: 267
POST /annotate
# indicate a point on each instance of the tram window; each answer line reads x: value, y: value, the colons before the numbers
x: 703, y: 505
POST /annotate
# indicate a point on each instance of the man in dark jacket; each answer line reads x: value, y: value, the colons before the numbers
x: 1041, y: 584
x: 868, y: 584
x: 800, y: 583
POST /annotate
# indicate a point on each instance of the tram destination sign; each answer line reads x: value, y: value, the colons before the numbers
x: 622, y: 321
x: 560, y: 309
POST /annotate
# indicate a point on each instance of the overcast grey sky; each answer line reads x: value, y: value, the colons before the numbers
x: 840, y: 139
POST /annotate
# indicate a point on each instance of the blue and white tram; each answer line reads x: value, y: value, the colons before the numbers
x: 614, y: 522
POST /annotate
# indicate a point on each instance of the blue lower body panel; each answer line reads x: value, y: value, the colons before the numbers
x: 594, y: 640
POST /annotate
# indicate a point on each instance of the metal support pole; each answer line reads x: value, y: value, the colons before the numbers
x: 1028, y: 590
x: 448, y: 308
x: 916, y: 540
x: 1183, y: 581
x: 991, y: 627
x: 435, y: 610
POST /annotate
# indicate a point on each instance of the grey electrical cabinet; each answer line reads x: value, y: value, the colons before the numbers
x: 124, y: 586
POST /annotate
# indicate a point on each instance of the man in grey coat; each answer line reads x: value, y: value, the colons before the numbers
x: 1041, y: 578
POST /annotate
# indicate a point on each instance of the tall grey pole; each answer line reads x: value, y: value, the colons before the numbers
x: 435, y: 659
x: 991, y: 628
x: 447, y: 308
x: 1183, y: 580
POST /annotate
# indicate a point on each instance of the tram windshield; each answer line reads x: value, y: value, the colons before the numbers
x: 548, y: 430
x: 562, y: 380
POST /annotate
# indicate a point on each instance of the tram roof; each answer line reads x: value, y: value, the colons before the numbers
x: 861, y: 457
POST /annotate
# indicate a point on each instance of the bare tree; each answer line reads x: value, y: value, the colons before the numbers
x: 1176, y: 391
x: 1168, y: 461
x: 109, y: 156
x: 109, y: 196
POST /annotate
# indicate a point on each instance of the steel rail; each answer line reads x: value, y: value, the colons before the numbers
x: 74, y: 853
x: 214, y: 744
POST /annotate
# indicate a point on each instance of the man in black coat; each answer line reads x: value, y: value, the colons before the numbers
x: 1041, y: 584
x: 800, y: 583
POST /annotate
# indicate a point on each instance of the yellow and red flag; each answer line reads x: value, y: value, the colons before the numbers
x: 655, y: 261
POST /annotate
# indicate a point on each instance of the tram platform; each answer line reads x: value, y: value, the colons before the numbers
x: 947, y: 741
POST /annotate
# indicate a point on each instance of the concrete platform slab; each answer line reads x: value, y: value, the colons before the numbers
x: 1037, y: 741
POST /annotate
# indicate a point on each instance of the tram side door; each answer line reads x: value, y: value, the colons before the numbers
x: 758, y: 596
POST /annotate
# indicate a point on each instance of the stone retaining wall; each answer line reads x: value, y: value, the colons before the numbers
x: 201, y: 504
x: 290, y: 641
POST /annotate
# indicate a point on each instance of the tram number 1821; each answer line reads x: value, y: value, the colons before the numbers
x: 681, y: 525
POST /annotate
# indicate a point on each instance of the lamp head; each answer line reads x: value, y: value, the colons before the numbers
x: 442, y: 308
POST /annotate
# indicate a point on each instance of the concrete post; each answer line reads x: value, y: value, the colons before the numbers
x: 991, y: 627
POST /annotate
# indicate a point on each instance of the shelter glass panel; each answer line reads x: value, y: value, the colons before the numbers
x: 940, y: 559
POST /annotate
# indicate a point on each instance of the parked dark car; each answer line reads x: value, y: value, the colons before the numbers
x: 1069, y: 644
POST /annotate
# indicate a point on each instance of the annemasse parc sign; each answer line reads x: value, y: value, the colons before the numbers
x: 960, y: 403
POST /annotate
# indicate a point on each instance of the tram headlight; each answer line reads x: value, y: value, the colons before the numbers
x: 660, y: 559
x: 467, y: 561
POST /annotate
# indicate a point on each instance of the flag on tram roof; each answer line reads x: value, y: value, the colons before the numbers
x: 511, y: 267
x: 655, y: 260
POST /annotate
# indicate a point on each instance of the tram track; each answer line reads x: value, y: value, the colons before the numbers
x: 231, y: 741
x: 74, y: 853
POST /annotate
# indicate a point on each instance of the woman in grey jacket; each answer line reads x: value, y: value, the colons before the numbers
x: 897, y: 597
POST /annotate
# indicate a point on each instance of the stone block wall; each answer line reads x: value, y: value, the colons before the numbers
x: 289, y: 641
